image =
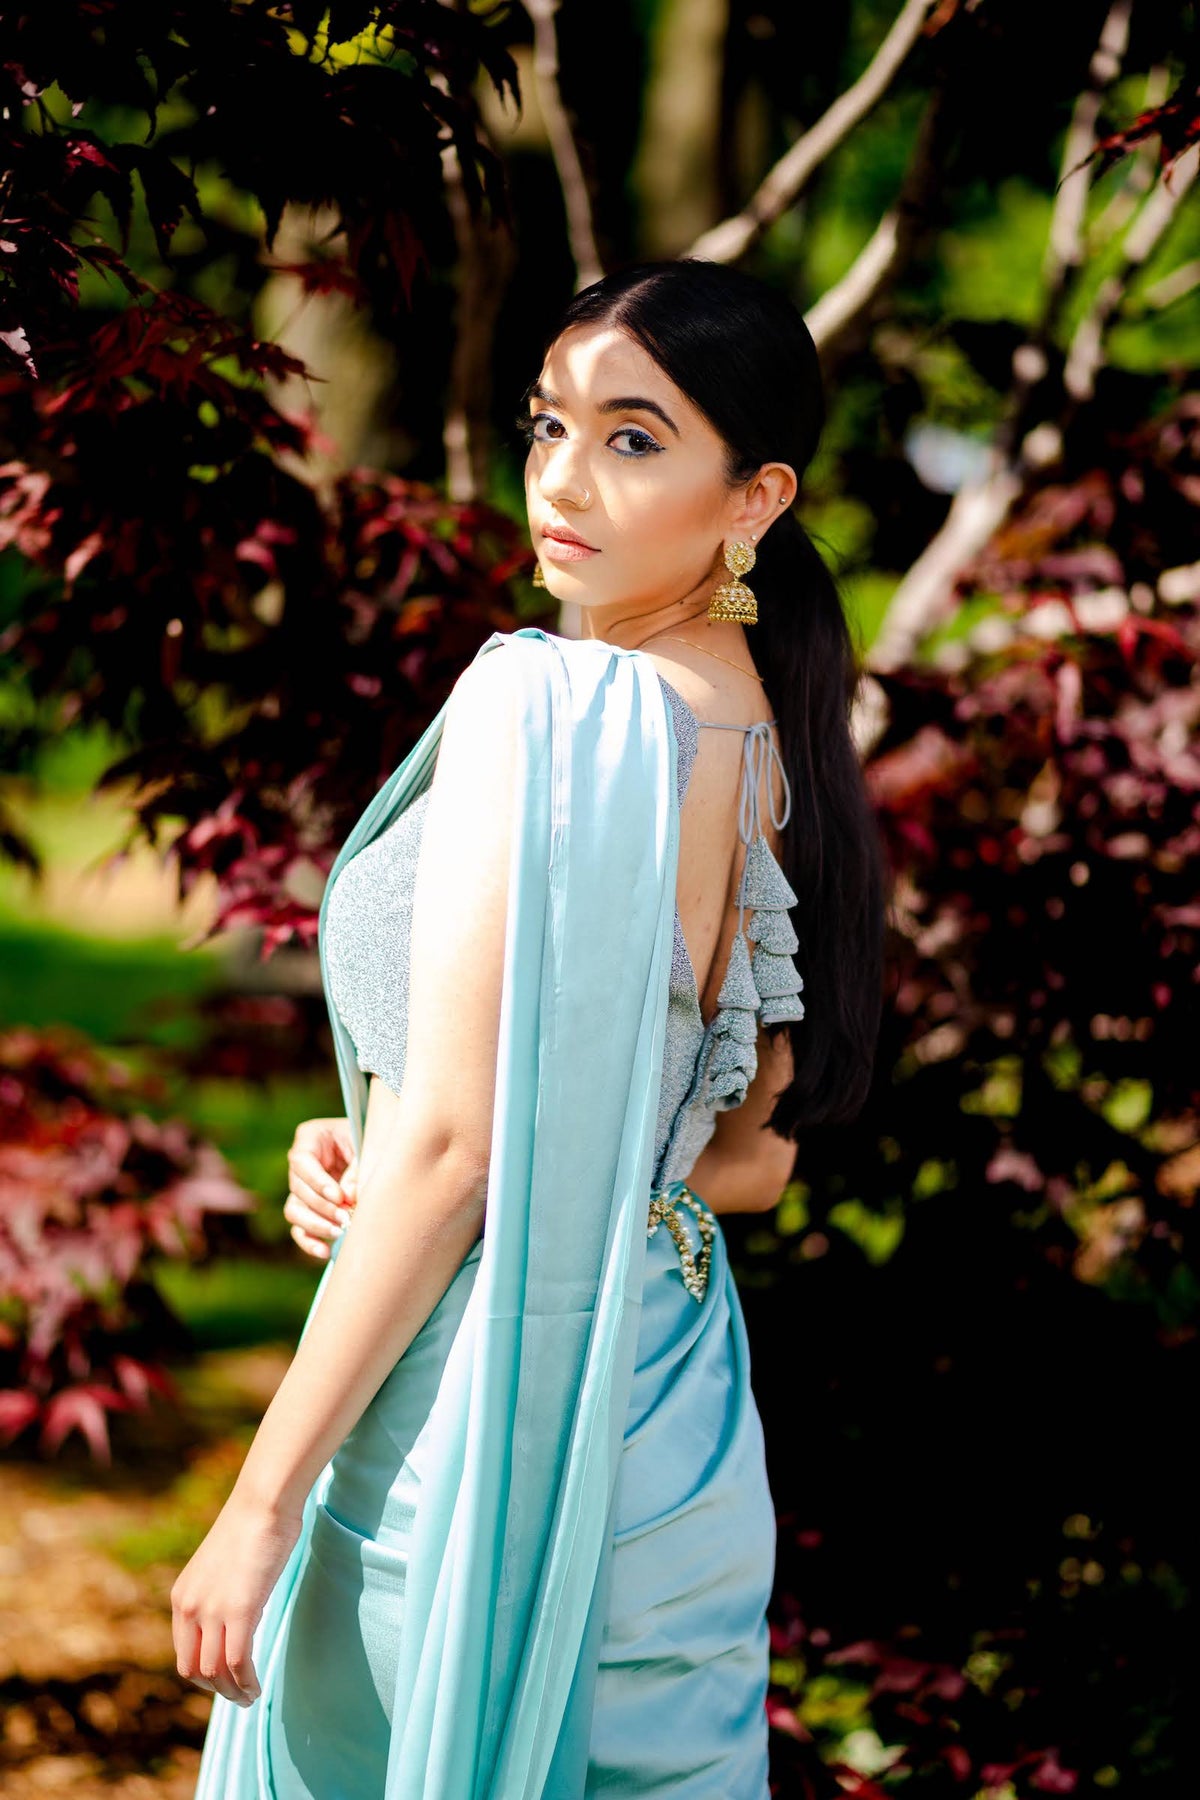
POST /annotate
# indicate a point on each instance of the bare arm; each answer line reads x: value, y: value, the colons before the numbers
x: 421, y: 1193
x: 745, y: 1166
x: 423, y: 1170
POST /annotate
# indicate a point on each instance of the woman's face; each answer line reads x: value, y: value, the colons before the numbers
x: 620, y: 459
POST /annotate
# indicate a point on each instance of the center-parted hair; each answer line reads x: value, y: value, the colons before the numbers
x: 744, y: 357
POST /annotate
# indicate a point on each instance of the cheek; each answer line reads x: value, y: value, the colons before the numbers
x: 667, y: 520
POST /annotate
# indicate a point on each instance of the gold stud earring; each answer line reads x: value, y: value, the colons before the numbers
x: 539, y: 580
x: 733, y: 599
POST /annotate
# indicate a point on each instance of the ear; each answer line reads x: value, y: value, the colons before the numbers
x: 767, y: 496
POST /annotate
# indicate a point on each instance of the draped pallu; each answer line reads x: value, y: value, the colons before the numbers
x: 504, y: 1604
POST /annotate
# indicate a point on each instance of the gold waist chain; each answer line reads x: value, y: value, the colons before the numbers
x: 663, y: 1211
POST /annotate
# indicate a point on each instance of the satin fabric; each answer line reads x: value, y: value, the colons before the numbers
x: 683, y: 1650
x: 593, y: 1519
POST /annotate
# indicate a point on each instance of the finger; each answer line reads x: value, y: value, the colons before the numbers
x: 343, y: 1140
x: 329, y: 1140
x: 185, y: 1634
x: 311, y: 1182
x: 238, y: 1648
x: 308, y: 1171
x: 187, y: 1658
x: 312, y: 1245
x: 316, y: 1224
x: 339, y: 1160
x: 213, y: 1667
x: 311, y: 1131
x: 303, y: 1207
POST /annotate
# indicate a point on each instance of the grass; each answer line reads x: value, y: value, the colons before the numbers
x: 117, y: 991
x: 240, y: 1301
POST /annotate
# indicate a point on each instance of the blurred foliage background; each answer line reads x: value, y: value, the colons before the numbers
x: 272, y: 281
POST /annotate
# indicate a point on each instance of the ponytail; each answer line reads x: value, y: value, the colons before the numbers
x: 831, y: 851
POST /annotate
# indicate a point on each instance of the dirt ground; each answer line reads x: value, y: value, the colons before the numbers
x: 90, y: 1700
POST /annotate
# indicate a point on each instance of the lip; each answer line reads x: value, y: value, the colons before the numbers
x: 563, y: 545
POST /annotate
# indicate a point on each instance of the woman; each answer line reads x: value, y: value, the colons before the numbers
x: 505, y: 1528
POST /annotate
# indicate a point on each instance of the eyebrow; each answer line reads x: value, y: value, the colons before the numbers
x: 622, y: 403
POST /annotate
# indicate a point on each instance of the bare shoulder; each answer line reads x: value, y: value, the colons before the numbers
x: 481, y: 723
x: 712, y: 691
x: 491, y: 678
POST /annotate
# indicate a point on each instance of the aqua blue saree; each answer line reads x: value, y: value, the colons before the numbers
x: 540, y: 1563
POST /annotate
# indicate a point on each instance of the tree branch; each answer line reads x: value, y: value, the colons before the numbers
x: 979, y: 509
x: 731, y: 239
x: 880, y: 262
x: 1065, y: 241
x: 1142, y: 240
x: 563, y: 148
x: 1172, y: 287
x: 485, y: 262
x: 1141, y: 168
x: 976, y: 512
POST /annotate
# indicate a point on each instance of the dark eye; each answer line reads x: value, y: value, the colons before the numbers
x: 542, y: 428
x: 640, y: 442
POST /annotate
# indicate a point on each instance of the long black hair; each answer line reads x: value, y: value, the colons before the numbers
x: 743, y: 355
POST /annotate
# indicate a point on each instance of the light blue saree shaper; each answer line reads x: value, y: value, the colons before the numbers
x: 504, y: 1600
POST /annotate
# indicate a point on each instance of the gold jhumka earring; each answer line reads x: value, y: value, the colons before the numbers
x: 733, y: 599
x: 539, y: 580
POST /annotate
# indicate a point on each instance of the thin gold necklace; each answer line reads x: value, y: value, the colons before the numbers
x: 704, y: 651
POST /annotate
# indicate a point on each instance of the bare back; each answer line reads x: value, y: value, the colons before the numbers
x: 711, y: 850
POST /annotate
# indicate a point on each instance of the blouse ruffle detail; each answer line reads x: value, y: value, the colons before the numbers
x: 763, y: 985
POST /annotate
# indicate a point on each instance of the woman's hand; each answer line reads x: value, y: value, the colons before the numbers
x: 322, y: 1182
x: 219, y: 1596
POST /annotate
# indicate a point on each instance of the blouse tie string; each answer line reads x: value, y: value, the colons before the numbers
x: 758, y: 751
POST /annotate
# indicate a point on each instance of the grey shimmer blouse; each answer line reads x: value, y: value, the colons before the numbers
x: 706, y: 1069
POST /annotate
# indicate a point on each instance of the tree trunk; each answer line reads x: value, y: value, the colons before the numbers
x: 676, y: 173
